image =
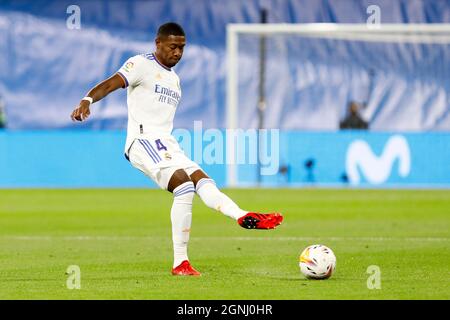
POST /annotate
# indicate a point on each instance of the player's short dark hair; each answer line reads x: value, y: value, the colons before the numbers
x: 170, y: 29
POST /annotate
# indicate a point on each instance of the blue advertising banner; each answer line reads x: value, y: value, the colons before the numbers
x: 79, y: 159
x: 359, y: 159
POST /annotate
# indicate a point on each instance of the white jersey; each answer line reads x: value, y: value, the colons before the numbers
x: 152, y: 97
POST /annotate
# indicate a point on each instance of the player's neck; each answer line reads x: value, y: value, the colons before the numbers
x: 158, y: 60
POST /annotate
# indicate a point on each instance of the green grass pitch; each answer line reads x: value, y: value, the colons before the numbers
x: 121, y: 241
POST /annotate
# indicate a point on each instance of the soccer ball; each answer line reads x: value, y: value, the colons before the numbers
x: 317, y: 262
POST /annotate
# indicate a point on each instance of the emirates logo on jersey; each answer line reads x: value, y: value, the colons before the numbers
x: 167, y: 95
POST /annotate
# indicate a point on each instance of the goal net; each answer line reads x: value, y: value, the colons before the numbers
x: 304, y: 76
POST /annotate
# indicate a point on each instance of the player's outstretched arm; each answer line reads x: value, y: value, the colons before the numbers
x: 97, y: 93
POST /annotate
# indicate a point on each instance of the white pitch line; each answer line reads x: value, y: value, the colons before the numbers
x: 344, y: 239
x: 144, y: 238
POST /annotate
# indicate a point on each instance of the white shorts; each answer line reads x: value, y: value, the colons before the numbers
x: 158, y: 157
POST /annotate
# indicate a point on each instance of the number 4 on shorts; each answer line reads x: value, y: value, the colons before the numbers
x: 160, y: 145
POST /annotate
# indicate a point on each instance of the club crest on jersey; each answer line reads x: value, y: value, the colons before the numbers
x: 158, y: 76
x: 167, y: 156
x: 129, y: 65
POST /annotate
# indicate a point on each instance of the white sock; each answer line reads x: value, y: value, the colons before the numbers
x: 215, y: 199
x: 181, y: 217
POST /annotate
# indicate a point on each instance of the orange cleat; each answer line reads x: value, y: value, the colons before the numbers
x: 185, y: 269
x: 254, y: 220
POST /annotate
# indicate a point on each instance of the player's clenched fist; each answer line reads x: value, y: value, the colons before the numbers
x: 82, y: 111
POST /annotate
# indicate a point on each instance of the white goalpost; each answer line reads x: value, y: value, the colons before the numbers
x: 382, y: 33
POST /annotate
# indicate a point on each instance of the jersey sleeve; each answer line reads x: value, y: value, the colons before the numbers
x: 131, y: 71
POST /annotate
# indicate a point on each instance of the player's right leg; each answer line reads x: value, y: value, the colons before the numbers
x: 217, y: 200
x: 181, y: 216
x: 174, y: 180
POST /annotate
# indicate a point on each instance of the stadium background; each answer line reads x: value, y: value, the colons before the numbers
x: 68, y: 197
x: 47, y: 68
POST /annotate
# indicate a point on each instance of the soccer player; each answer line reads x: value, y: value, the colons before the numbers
x: 153, y: 94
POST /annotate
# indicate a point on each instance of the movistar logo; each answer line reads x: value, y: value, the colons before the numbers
x: 377, y: 170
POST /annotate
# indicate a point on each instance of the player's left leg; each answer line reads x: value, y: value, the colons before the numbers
x: 213, y: 197
x: 217, y: 200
